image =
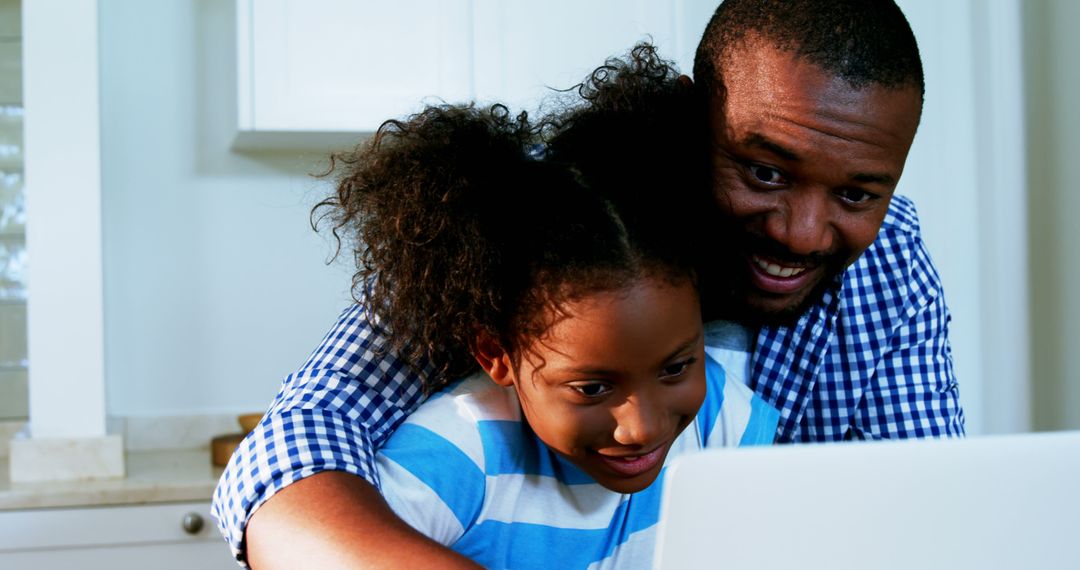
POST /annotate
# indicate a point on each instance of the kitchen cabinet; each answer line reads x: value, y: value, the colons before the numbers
x: 161, y: 536
x: 325, y: 66
x: 340, y: 65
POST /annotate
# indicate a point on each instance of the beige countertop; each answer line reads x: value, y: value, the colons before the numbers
x: 152, y: 477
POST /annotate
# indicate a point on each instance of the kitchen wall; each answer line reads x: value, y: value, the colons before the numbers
x: 215, y: 286
x: 1053, y: 83
x: 945, y: 143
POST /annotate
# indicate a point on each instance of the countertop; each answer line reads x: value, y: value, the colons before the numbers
x: 152, y: 477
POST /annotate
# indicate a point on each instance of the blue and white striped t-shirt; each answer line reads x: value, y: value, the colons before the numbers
x: 466, y: 471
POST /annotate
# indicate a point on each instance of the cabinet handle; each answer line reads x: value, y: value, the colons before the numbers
x: 192, y: 523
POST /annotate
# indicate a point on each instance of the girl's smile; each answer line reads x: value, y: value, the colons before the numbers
x: 614, y: 380
x: 634, y: 465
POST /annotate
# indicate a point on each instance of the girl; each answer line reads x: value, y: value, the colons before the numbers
x: 564, y: 290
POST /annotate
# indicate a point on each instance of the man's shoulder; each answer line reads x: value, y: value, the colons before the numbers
x: 356, y: 345
x: 897, y: 260
x: 354, y: 371
x: 895, y: 275
x: 901, y: 216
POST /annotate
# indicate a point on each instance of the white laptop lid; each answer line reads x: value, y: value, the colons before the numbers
x: 992, y: 502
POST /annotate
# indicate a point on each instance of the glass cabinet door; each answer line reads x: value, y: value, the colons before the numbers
x: 13, y: 361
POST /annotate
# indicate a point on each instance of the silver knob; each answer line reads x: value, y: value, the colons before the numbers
x: 192, y: 523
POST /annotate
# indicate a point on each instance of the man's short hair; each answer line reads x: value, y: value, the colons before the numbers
x: 861, y: 41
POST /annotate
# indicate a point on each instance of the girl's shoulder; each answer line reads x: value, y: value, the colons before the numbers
x: 433, y: 469
x: 472, y: 399
x: 460, y: 415
x: 732, y: 414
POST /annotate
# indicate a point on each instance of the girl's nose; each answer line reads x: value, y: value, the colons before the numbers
x: 638, y: 424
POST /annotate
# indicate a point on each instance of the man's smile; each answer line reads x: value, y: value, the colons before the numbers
x: 777, y: 270
x: 781, y: 278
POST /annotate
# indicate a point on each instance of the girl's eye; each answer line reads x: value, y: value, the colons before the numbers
x: 766, y: 175
x: 678, y: 368
x: 592, y: 389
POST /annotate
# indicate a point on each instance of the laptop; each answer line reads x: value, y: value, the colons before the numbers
x: 986, y: 502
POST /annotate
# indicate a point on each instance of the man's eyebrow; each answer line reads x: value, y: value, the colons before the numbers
x: 871, y: 178
x: 760, y: 141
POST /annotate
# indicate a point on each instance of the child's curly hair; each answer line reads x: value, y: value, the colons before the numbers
x: 459, y: 227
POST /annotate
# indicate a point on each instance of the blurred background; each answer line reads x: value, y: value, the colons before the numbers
x: 214, y: 115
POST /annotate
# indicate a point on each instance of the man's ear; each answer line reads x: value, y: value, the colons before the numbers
x: 493, y: 359
x: 685, y: 81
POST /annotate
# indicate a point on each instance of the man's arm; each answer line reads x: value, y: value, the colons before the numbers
x: 914, y: 391
x: 329, y: 416
x: 352, y: 528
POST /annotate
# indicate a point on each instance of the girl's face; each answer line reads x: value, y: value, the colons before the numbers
x: 610, y: 386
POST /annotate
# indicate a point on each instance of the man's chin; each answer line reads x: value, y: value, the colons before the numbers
x: 736, y: 297
x: 761, y: 310
x: 754, y: 307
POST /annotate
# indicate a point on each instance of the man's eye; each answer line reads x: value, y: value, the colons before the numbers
x: 591, y: 390
x: 765, y: 174
x: 855, y: 195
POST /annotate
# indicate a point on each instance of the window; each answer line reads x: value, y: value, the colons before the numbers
x: 13, y: 362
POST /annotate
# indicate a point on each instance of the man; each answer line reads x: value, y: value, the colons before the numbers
x: 813, y: 105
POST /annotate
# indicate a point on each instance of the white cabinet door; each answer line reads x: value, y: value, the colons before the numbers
x: 201, y: 555
x: 114, y: 538
x: 348, y: 65
x: 524, y: 49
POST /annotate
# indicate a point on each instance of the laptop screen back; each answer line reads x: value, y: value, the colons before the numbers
x: 992, y: 502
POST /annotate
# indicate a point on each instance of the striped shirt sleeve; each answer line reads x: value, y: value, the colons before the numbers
x: 732, y: 414
x: 431, y: 483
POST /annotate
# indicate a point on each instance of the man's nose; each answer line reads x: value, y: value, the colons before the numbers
x: 639, y: 423
x: 802, y: 223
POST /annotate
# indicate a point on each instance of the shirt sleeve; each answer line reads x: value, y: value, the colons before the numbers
x: 431, y: 483
x: 330, y: 415
x: 732, y: 414
x: 914, y: 393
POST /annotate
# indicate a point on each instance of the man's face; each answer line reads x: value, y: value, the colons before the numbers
x: 804, y: 166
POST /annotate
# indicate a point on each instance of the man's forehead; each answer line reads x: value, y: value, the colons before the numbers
x: 762, y: 82
x: 751, y: 51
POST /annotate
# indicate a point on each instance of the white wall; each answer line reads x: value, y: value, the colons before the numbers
x: 1053, y: 80
x: 968, y: 190
x: 939, y: 177
x: 215, y: 286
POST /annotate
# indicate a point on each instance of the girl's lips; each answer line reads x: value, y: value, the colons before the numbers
x: 778, y: 279
x: 634, y: 465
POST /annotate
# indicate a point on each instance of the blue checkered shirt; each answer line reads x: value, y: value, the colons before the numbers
x: 870, y: 361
